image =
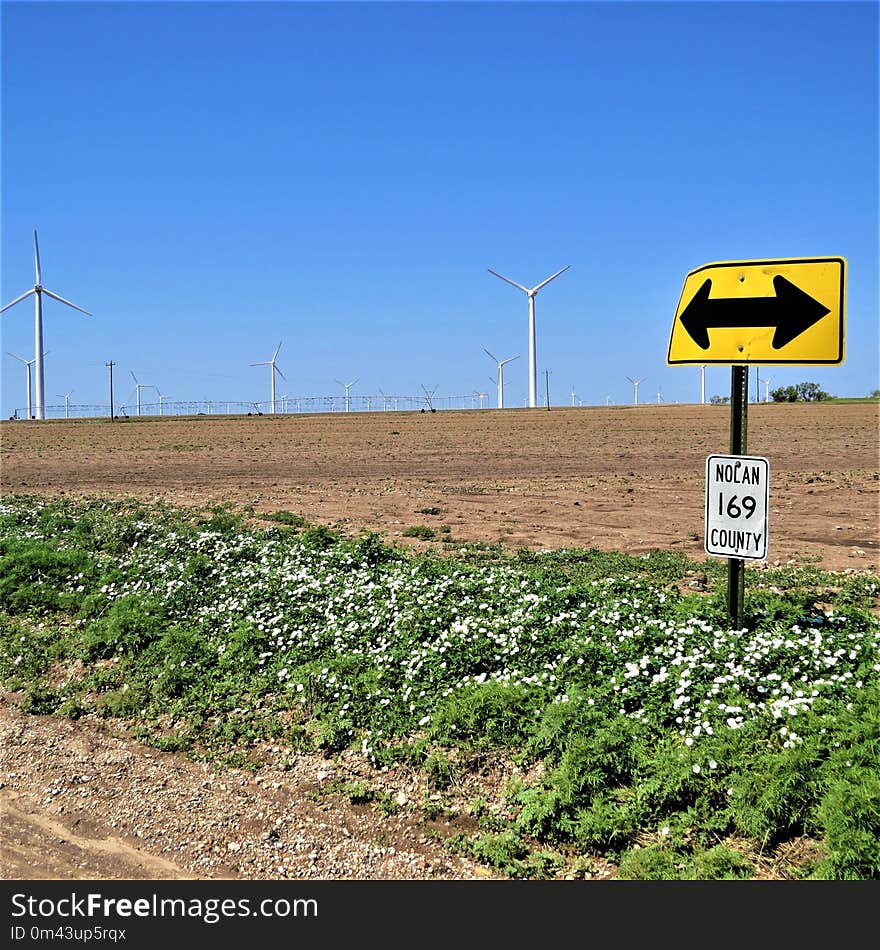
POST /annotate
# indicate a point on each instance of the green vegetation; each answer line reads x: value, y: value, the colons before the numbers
x: 802, y: 392
x: 654, y: 736
x: 419, y: 531
x: 874, y: 397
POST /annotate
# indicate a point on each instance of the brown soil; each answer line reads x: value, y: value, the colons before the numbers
x: 618, y: 478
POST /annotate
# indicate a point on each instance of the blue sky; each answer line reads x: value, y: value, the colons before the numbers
x: 211, y: 178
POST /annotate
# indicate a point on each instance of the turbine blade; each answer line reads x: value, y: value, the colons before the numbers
x: 490, y: 355
x: 277, y: 348
x: 510, y: 359
x: 525, y: 290
x: 551, y: 277
x: 17, y: 299
x: 133, y: 376
x: 36, y: 257
x: 20, y: 359
x: 62, y: 300
x: 278, y: 371
x: 264, y: 363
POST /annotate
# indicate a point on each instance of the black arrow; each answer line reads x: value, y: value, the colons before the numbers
x: 791, y: 312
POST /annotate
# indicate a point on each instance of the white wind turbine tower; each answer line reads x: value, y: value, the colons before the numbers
x: 702, y: 385
x: 501, y: 365
x: 273, y: 369
x: 533, y: 359
x: 162, y: 397
x: 66, y: 398
x: 27, y: 364
x: 38, y: 290
x: 766, y: 383
x: 347, y: 388
x: 137, y: 390
x: 635, y: 383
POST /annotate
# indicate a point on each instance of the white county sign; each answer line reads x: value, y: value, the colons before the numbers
x: 737, y: 506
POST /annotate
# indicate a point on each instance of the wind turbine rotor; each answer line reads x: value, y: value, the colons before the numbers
x: 60, y: 299
x: 544, y: 283
x: 36, y: 258
x: 525, y: 290
x: 27, y: 293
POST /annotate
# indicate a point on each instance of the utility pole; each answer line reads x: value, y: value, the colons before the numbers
x: 110, y: 366
x: 547, y: 386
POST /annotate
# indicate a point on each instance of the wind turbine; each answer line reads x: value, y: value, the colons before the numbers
x: 38, y: 290
x: 162, y: 398
x: 501, y: 364
x: 533, y: 359
x: 635, y: 383
x: 347, y: 388
x: 137, y: 390
x: 766, y: 383
x: 702, y: 385
x: 28, y: 364
x: 66, y: 398
x: 273, y: 369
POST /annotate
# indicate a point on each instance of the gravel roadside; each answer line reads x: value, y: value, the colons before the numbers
x: 81, y: 800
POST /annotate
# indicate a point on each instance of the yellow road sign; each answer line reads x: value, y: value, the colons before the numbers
x: 765, y: 312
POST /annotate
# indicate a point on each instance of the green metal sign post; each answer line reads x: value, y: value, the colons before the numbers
x: 739, y: 429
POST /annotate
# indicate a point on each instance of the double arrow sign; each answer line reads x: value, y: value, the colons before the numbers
x: 766, y: 312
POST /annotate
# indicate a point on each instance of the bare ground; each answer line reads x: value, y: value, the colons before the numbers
x: 82, y: 800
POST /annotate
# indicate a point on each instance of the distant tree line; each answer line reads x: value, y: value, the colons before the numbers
x: 802, y: 392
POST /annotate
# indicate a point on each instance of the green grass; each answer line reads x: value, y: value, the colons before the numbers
x: 846, y: 399
x: 655, y: 735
